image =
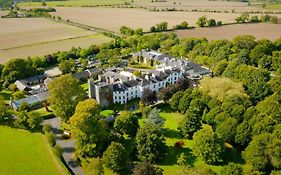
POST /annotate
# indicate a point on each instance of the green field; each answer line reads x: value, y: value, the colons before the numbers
x: 77, y: 3
x: 25, y: 153
x: 273, y: 6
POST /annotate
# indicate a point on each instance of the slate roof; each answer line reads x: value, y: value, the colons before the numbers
x: 84, y: 74
x: 119, y: 87
x: 31, y: 100
x: 131, y: 83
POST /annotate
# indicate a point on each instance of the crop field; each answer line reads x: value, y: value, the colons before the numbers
x: 178, y: 4
x: 37, y: 36
x: 26, y: 153
x: 113, y: 18
x: 260, y: 31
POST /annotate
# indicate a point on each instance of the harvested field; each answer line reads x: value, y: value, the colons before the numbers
x: 22, y: 37
x: 113, y: 18
x: 15, y: 32
x: 51, y: 47
x: 177, y: 4
x: 260, y: 31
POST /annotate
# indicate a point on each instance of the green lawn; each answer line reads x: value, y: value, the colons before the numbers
x: 25, y: 153
x: 107, y: 113
x: 85, y: 86
x: 141, y: 66
x: 42, y: 112
x: 273, y: 6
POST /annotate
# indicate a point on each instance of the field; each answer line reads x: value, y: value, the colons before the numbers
x: 113, y: 18
x: 37, y: 36
x: 178, y: 4
x: 24, y: 153
x: 260, y: 31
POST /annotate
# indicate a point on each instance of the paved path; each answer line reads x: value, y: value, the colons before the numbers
x: 67, y: 145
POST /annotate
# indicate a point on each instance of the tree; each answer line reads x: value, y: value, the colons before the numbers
x: 233, y: 169
x: 18, y: 95
x: 126, y: 123
x: 65, y: 93
x: 115, y: 158
x: 255, y: 154
x: 5, y: 115
x: 182, y: 160
x: 148, y: 97
x: 190, y: 124
x: 94, y: 166
x: 89, y: 130
x: 28, y: 120
x: 175, y: 100
x: 150, y: 143
x: 185, y: 100
x: 254, y: 19
x: 208, y: 146
x: 154, y: 118
x: 226, y: 129
x: 202, y: 21
x: 211, y: 22
x: 67, y: 66
x: 145, y: 168
x: 163, y: 26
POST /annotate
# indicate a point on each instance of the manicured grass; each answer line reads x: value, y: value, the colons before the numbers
x: 25, y: 153
x: 85, y: 86
x: 42, y: 112
x: 107, y: 113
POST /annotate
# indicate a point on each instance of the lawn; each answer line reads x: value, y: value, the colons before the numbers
x: 273, y: 6
x: 25, y: 153
x: 172, y: 135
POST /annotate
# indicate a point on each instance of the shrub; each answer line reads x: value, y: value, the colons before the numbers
x: 51, y: 139
x: 47, y: 128
x: 58, y: 151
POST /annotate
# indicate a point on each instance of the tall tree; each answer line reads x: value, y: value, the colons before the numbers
x: 91, y: 133
x: 208, y: 146
x: 116, y: 158
x: 149, y: 97
x: 126, y: 123
x: 145, y: 168
x: 150, y: 143
x: 65, y: 93
x: 154, y: 118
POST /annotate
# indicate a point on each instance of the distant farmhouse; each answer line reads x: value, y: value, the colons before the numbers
x: 119, y: 86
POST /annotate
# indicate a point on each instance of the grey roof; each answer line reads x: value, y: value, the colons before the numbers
x: 31, y: 100
x: 131, y: 83
x: 119, y: 87
x: 21, y: 85
x: 84, y: 74
x: 94, y: 70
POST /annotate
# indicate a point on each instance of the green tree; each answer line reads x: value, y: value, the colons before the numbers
x: 145, y: 168
x: 89, y: 130
x: 190, y: 124
x: 184, y: 101
x: 150, y: 143
x: 94, y: 166
x: 67, y: 66
x: 154, y: 118
x: 65, y: 93
x: 211, y: 22
x: 18, y: 95
x: 232, y: 169
x: 115, y: 158
x: 5, y: 115
x: 226, y: 129
x: 175, y: 100
x: 126, y: 123
x: 202, y: 21
x: 255, y: 154
x: 208, y: 146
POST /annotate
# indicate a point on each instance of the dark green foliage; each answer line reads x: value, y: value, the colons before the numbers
x: 154, y: 118
x: 145, y: 168
x: 232, y: 169
x: 150, y: 143
x: 226, y: 129
x: 28, y: 120
x: 67, y: 66
x: 184, y: 101
x: 58, y: 151
x: 126, y: 123
x: 115, y: 158
x: 94, y: 166
x: 5, y: 114
x: 51, y: 138
x: 6, y: 3
x: 190, y: 124
x: 175, y: 100
x: 208, y: 146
